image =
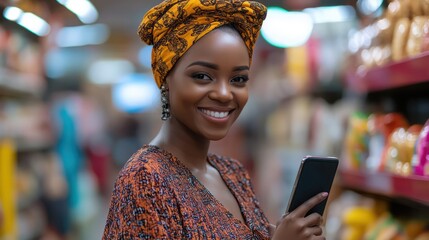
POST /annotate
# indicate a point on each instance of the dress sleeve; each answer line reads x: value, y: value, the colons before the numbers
x: 138, y: 210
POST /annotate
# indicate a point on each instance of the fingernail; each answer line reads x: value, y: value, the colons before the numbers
x: 325, y: 194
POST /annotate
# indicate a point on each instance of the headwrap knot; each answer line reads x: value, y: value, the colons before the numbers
x: 173, y: 26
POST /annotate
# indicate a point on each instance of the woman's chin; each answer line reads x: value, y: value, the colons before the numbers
x: 216, y: 136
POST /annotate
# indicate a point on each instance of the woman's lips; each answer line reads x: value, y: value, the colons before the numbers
x: 215, y: 113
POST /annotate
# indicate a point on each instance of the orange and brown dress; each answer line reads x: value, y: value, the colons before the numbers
x: 157, y: 197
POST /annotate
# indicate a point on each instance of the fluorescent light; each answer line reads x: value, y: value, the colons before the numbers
x: 286, y: 29
x: 12, y: 13
x: 82, y: 35
x: 331, y: 14
x: 34, y: 24
x: 30, y: 21
x: 84, y: 9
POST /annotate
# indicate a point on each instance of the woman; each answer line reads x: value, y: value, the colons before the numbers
x: 173, y: 188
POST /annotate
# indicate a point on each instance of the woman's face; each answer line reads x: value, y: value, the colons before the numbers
x: 208, y: 85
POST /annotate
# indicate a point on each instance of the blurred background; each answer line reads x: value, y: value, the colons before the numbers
x: 344, y: 78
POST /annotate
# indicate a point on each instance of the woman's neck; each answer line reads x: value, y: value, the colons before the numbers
x: 190, y: 149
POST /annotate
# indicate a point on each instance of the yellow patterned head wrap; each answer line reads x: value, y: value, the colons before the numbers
x: 173, y: 26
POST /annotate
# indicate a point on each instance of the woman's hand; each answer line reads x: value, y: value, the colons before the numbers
x: 295, y: 225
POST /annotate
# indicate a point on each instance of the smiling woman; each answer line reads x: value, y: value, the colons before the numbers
x: 172, y: 188
x: 208, y: 86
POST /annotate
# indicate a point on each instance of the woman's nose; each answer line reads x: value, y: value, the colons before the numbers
x: 221, y: 92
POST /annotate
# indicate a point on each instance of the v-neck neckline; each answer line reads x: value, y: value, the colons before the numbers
x: 224, y: 176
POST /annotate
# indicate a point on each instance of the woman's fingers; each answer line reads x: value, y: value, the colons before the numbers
x: 296, y: 225
x: 313, y: 231
x: 302, y: 210
x: 313, y: 220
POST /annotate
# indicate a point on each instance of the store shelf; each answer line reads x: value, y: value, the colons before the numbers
x: 13, y: 84
x: 414, y: 188
x: 407, y: 72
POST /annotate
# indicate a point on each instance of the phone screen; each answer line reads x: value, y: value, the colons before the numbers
x: 315, y: 175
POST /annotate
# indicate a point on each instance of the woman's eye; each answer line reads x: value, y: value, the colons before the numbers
x: 240, y: 79
x: 201, y: 76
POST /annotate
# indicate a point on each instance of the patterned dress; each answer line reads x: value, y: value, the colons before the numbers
x: 157, y: 197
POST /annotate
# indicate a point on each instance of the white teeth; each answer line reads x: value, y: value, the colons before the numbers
x: 215, y: 114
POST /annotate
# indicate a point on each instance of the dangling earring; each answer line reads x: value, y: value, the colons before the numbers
x: 164, y: 102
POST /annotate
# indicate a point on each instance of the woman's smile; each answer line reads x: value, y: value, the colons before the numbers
x: 216, y: 114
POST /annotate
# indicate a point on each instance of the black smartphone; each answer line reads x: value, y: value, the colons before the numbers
x: 315, y: 175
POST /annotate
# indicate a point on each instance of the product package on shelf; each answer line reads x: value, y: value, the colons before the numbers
x: 418, y: 32
x: 356, y: 142
x: 21, y: 63
x: 420, y: 161
x: 386, y: 156
x: 400, y: 36
x: 8, y: 212
x: 386, y: 148
x: 401, y: 32
x: 28, y: 124
x: 387, y: 143
x: 354, y: 216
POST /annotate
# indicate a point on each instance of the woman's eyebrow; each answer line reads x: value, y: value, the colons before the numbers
x: 204, y: 64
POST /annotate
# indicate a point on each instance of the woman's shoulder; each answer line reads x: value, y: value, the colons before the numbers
x: 227, y: 163
x: 145, y: 162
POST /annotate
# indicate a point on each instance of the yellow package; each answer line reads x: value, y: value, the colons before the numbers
x: 400, y: 37
x: 385, y: 28
x: 425, y: 38
x: 415, y: 38
x: 398, y: 9
x: 416, y: 8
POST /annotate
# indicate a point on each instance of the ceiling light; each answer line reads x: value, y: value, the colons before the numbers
x: 29, y: 21
x: 34, y: 24
x: 286, y: 29
x: 331, y: 14
x: 84, y: 9
x: 12, y: 13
